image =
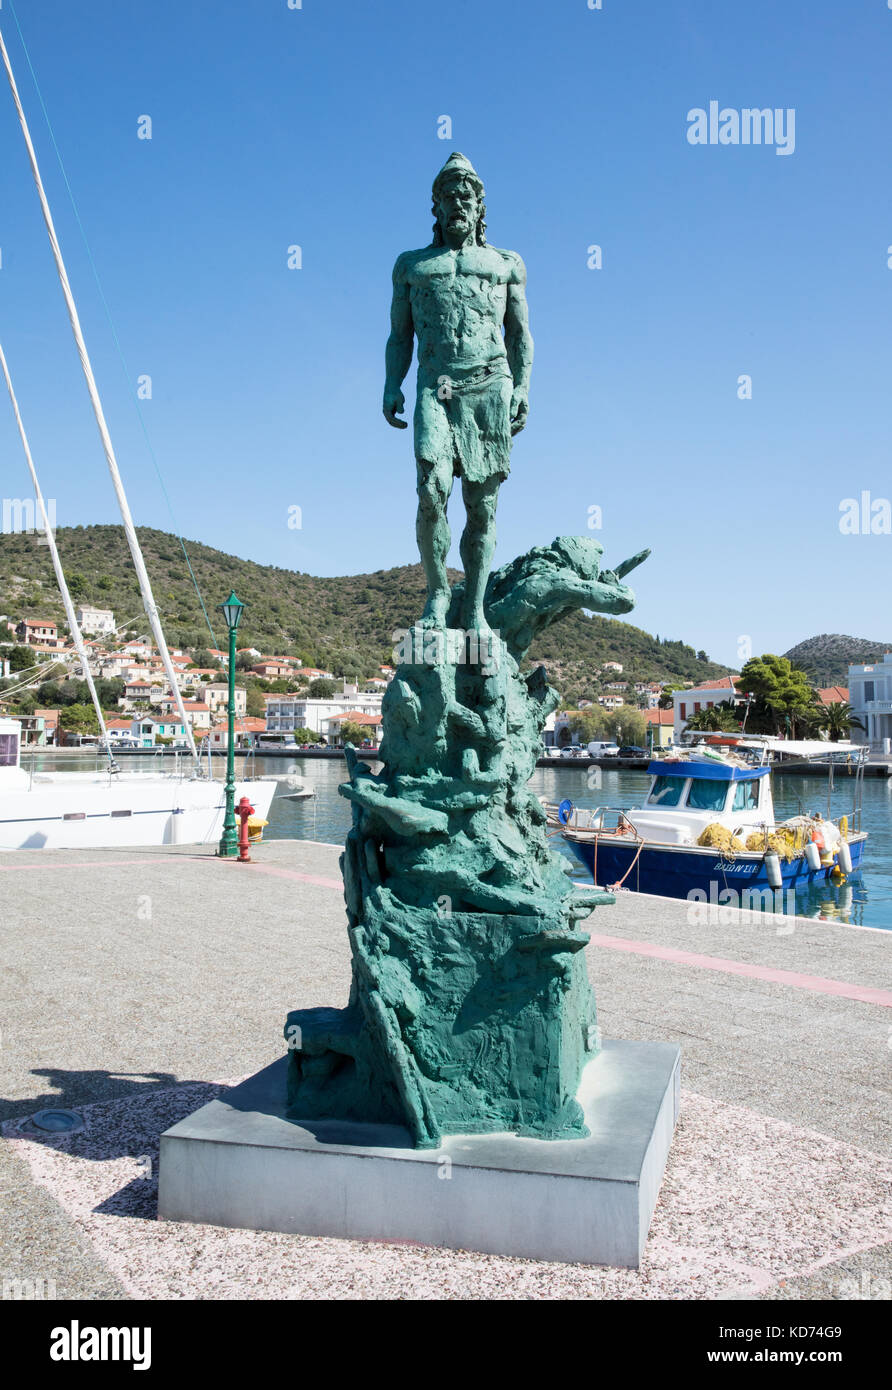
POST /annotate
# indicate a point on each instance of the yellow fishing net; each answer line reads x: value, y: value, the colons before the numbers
x: 716, y: 836
x: 786, y: 840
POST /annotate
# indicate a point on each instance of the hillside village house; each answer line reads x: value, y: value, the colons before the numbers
x: 216, y: 694
x: 95, y: 620
x: 39, y: 632
x: 137, y: 690
x: 271, y: 670
x: 198, y: 674
x: 285, y: 713
x: 704, y: 696
x: 870, y: 695
x: 612, y: 666
x: 197, y: 711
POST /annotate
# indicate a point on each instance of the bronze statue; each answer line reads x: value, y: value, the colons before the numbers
x: 465, y: 302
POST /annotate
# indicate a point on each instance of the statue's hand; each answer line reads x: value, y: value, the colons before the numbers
x: 520, y: 405
x: 394, y: 404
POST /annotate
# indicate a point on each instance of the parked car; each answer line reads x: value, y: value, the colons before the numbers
x: 599, y: 748
x: 572, y: 750
x: 631, y: 750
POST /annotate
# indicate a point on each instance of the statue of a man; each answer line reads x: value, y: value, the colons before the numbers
x: 465, y: 302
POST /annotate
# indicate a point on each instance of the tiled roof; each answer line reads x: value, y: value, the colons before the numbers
x: 723, y: 683
x: 355, y: 717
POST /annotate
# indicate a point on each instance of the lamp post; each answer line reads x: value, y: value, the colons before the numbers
x: 232, y: 611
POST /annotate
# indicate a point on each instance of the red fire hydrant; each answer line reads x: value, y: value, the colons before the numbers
x: 243, y: 810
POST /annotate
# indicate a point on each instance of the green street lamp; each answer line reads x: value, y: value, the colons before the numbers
x: 232, y: 611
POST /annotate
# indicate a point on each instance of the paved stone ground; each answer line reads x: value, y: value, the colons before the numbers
x: 126, y: 974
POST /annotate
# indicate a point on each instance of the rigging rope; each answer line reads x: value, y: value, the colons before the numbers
x: 109, y: 318
x: 93, y: 390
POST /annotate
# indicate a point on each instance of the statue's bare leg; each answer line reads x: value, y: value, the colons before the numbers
x: 478, y: 545
x: 432, y: 533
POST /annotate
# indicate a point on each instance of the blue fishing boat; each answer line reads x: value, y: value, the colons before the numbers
x: 707, y: 831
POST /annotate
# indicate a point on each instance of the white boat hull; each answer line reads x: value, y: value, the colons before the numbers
x: 71, y: 810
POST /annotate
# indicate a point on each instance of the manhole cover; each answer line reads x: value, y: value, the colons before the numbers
x: 57, y: 1121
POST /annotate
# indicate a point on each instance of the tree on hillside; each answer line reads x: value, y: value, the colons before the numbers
x: 839, y: 719
x: 77, y: 585
x: 322, y: 689
x: 666, y: 701
x: 784, y: 701
x: 20, y: 658
x: 255, y: 705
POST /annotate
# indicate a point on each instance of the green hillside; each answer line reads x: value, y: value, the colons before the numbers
x: 826, y: 659
x: 343, y: 624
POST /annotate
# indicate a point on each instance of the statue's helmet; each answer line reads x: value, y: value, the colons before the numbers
x: 458, y: 164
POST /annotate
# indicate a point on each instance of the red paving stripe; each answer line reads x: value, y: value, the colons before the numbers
x: 864, y: 994
x: 292, y: 873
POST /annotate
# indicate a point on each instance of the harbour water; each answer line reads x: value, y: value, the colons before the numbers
x: 864, y: 900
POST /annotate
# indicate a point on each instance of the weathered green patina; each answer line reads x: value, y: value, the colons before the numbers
x: 470, y: 1009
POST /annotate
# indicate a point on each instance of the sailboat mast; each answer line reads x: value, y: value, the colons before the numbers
x: 129, y: 530
x: 73, y: 625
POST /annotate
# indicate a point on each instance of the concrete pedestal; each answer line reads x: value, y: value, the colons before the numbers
x: 240, y: 1162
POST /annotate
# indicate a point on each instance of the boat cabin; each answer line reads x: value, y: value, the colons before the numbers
x: 687, y: 796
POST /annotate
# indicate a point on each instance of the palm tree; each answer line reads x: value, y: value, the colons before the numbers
x: 839, y: 719
x: 720, y: 718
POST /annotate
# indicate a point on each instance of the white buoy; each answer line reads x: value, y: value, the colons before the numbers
x: 845, y: 857
x: 773, y: 870
x: 813, y: 856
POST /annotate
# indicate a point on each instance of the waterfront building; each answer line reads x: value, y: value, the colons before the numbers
x: 704, y: 696
x: 285, y: 713
x: 660, y: 727
x: 870, y: 696
x: 369, y: 723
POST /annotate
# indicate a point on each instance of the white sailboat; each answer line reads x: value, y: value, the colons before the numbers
x: 67, y: 810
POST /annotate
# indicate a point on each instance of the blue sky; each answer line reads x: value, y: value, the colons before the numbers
x: 319, y: 127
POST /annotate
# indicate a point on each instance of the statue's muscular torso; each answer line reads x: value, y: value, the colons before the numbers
x: 458, y: 301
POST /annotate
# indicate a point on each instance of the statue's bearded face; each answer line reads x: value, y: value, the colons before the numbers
x: 458, y: 207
